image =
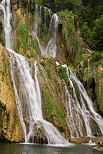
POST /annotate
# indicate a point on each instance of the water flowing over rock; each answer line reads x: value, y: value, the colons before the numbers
x: 82, y: 118
x: 27, y: 94
x: 5, y: 6
x: 50, y: 46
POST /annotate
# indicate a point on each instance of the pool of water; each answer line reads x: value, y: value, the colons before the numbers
x: 9, y: 148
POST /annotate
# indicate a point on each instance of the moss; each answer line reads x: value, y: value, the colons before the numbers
x: 63, y: 74
x: 24, y: 41
x: 48, y: 105
x: 85, y: 63
x: 49, y: 73
x: 22, y: 33
x: 59, y: 113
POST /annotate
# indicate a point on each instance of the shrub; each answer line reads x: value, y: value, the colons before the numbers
x: 63, y: 74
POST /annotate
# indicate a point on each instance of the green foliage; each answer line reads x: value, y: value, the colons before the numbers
x: 74, y: 2
x: 91, y: 21
x: 38, y: 1
x: 96, y: 56
x: 90, y: 81
x: 70, y: 28
x: 97, y: 35
x: 62, y: 5
x: 63, y: 74
x: 86, y: 30
x: 49, y: 73
x: 85, y: 64
x: 22, y: 33
x: 31, y: 55
x: 59, y: 112
x: 66, y: 13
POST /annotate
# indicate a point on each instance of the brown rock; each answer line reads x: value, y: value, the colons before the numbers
x: 10, y: 127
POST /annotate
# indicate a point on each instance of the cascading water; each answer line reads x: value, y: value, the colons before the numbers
x: 27, y: 91
x: 82, y: 119
x: 50, y: 47
x: 7, y: 27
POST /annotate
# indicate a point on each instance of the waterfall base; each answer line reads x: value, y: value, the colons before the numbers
x: 38, y: 134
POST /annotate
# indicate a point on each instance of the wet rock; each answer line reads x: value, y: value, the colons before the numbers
x: 85, y: 139
x: 98, y: 147
x: 38, y: 135
x: 10, y: 127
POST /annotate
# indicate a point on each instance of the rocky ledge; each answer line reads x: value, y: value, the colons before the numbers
x: 85, y: 139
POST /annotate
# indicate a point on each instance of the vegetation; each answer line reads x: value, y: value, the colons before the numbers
x: 22, y: 32
x: 48, y: 105
x: 66, y: 13
x: 91, y: 23
x: 63, y: 74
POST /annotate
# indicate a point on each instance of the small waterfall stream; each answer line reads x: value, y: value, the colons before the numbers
x: 50, y: 47
x: 27, y: 91
x: 82, y: 119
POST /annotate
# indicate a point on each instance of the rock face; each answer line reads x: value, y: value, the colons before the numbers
x: 97, y: 140
x: 90, y: 73
x: 38, y: 135
x: 53, y: 95
x: 10, y: 128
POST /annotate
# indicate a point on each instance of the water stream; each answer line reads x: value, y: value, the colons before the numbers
x: 82, y: 119
x: 50, y: 46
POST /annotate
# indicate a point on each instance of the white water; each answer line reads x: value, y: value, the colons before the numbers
x: 81, y: 115
x: 27, y: 91
x: 7, y: 27
x: 50, y: 47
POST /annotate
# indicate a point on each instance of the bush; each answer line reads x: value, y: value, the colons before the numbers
x: 96, y: 56
x: 63, y: 74
x: 85, y: 64
x: 66, y: 13
x: 97, y: 35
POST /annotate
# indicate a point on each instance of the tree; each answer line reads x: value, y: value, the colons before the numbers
x: 97, y: 34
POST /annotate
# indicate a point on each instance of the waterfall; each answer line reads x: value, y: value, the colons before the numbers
x: 82, y: 119
x: 5, y: 6
x: 50, y: 47
x: 27, y: 90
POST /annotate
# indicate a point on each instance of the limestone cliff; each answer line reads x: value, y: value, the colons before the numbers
x: 10, y: 127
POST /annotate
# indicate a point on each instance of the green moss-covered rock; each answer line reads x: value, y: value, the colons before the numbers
x: 90, y: 72
x: 23, y: 38
x: 53, y: 97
